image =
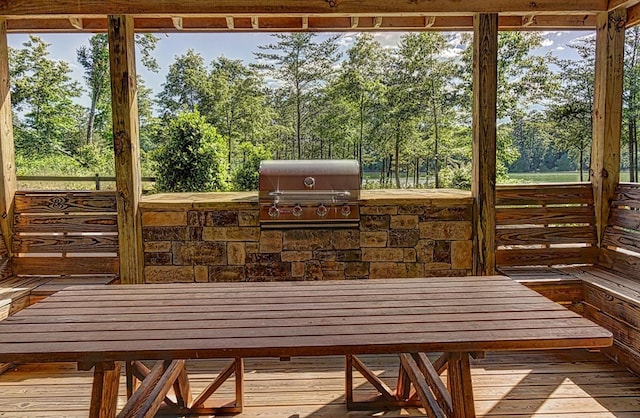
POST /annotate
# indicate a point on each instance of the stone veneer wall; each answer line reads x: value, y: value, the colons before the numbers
x: 226, y: 243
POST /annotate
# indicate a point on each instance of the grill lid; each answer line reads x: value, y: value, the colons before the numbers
x: 310, y: 175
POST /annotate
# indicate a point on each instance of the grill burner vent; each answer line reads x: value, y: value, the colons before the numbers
x: 309, y: 193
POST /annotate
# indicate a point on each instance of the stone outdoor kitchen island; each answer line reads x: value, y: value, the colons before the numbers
x: 209, y: 237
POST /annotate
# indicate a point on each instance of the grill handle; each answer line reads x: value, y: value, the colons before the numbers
x: 332, y: 196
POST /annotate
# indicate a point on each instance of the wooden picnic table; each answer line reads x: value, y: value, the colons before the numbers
x: 103, y: 326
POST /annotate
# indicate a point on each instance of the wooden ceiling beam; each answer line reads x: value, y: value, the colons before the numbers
x: 614, y: 4
x: 151, y: 8
x: 311, y: 23
x: 633, y: 15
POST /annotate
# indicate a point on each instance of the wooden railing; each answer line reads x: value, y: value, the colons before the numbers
x: 621, y: 242
x: 97, y: 179
x: 545, y: 224
x: 65, y: 233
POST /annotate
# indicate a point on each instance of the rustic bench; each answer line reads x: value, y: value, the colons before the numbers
x: 546, y: 240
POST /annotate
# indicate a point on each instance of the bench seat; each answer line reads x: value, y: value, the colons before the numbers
x: 603, y: 296
x: 18, y: 292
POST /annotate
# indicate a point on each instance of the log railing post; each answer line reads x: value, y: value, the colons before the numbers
x: 7, y: 153
x: 483, y: 189
x: 126, y: 144
x: 607, y: 112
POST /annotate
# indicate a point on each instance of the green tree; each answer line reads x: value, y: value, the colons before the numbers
x: 571, y: 109
x: 94, y: 59
x: 187, y: 87
x: 360, y: 83
x: 302, y: 66
x: 429, y: 80
x: 631, y: 97
x: 42, y: 93
x: 238, y: 104
x: 191, y: 157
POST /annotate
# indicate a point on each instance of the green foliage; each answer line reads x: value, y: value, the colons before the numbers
x: 43, y: 92
x: 245, y: 174
x: 191, y: 157
x: 302, y: 66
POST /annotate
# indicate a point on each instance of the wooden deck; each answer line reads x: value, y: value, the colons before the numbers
x: 572, y: 383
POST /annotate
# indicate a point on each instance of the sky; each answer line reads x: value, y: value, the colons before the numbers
x: 235, y: 46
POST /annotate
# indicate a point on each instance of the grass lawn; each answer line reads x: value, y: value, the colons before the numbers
x: 557, y: 177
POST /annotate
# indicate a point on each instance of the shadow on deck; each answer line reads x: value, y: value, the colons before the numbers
x: 572, y: 383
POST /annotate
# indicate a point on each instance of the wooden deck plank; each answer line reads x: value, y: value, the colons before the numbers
x: 505, y: 384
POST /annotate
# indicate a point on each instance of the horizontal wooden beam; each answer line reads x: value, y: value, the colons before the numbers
x: 306, y: 23
x: 633, y: 15
x: 297, y: 8
x: 614, y: 4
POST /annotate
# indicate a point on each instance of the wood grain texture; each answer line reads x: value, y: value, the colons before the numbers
x: 316, y: 23
x: 65, y: 202
x: 607, y: 113
x: 545, y: 216
x: 65, y: 223
x: 620, y: 238
x: 65, y: 265
x: 627, y: 194
x: 65, y: 244
x: 547, y: 256
x: 544, y: 194
x: 285, y: 8
x: 554, y: 235
x: 624, y: 218
x: 7, y: 149
x: 254, y: 319
x: 483, y: 185
x: 126, y: 141
x: 625, y: 264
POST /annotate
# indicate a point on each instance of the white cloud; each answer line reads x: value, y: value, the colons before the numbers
x: 547, y: 42
x: 388, y: 39
x: 560, y: 48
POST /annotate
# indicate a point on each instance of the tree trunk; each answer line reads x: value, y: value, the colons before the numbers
x: 417, y: 183
x: 92, y: 117
x: 633, y: 139
x: 361, y: 136
x: 436, y: 134
x: 580, y: 163
x: 298, y: 120
x: 397, y: 156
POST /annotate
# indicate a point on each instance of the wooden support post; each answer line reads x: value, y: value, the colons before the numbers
x: 460, y: 385
x: 607, y: 112
x: 348, y: 379
x: 104, y: 392
x: 126, y: 144
x: 483, y: 189
x: 7, y: 153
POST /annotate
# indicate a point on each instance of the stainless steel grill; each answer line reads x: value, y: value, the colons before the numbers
x: 315, y: 193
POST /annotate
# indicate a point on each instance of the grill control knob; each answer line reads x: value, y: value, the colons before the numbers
x: 273, y: 211
x: 309, y: 182
x: 297, y: 210
x: 322, y: 211
x: 346, y: 210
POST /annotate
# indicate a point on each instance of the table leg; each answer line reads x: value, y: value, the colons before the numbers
x: 104, y: 393
x: 460, y: 385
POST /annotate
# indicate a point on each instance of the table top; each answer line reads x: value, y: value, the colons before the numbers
x: 207, y: 320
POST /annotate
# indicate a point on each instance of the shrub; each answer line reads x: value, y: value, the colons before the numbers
x: 245, y: 175
x: 191, y: 157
